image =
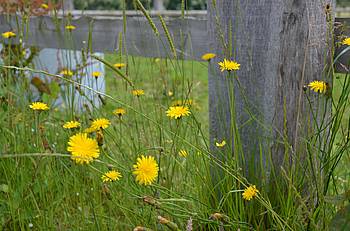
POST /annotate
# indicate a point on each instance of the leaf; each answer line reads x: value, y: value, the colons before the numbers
x: 341, y: 220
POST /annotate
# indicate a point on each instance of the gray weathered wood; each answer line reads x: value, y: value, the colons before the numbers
x: 190, y: 34
x: 281, y: 45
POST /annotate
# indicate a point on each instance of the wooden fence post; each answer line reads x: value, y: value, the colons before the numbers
x: 281, y: 46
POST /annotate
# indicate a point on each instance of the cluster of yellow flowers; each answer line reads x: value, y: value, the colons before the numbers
x: 85, y: 150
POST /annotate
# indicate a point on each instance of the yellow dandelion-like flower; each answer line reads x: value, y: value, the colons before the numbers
x: 71, y: 124
x: 67, y: 72
x: 96, y: 74
x: 229, y: 65
x: 100, y: 123
x: 119, y: 65
x: 138, y: 92
x: 89, y: 130
x: 250, y: 192
x: 208, y: 56
x: 183, y: 153
x: 83, y: 149
x: 70, y: 27
x: 44, y: 6
x: 221, y: 144
x: 346, y: 41
x: 146, y: 170
x: 318, y: 86
x: 39, y: 106
x: 111, y: 176
x: 178, y: 112
x: 119, y: 111
x: 8, y: 34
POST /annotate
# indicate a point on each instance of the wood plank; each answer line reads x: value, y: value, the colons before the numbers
x: 189, y: 34
x: 48, y: 32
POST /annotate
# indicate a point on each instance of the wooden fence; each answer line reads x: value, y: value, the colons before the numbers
x: 103, y: 28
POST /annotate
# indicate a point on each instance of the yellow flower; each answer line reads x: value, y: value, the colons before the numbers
x: 83, y: 149
x: 119, y: 111
x: 170, y: 93
x: 119, y: 65
x: 188, y: 102
x: 208, y: 56
x: 111, y: 176
x: 318, y: 86
x: 178, y: 112
x: 70, y: 27
x: 96, y: 74
x: 146, y: 170
x: 221, y: 144
x: 229, y: 65
x: 250, y: 192
x: 89, y: 130
x: 71, y: 124
x: 44, y: 6
x: 138, y: 92
x: 8, y: 34
x: 39, y: 106
x: 346, y: 41
x: 100, y: 123
x: 67, y: 72
x: 183, y: 153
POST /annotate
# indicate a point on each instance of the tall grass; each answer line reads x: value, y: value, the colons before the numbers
x: 42, y: 188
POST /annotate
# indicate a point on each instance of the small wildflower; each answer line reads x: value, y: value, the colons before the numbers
x: 111, y: 176
x: 318, y: 86
x: 250, y: 192
x: 183, y: 153
x: 100, y: 123
x: 44, y: 6
x: 83, y: 149
x: 89, y: 130
x: 39, y: 106
x: 229, y: 65
x: 71, y: 124
x: 67, y: 72
x: 221, y: 144
x: 119, y: 65
x: 119, y: 112
x: 70, y: 27
x: 208, y: 56
x: 178, y: 112
x: 146, y: 170
x: 170, y: 93
x: 346, y: 41
x: 138, y: 92
x: 96, y: 74
x: 8, y: 34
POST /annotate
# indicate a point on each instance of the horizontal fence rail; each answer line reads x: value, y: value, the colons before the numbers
x: 99, y: 31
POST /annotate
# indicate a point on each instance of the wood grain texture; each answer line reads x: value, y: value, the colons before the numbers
x: 190, y: 34
x: 281, y: 46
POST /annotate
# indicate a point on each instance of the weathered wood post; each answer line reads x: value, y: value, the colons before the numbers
x: 281, y: 46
